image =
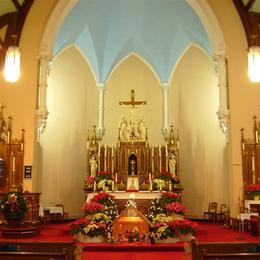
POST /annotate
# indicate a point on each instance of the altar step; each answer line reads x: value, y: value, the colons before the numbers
x: 133, y: 247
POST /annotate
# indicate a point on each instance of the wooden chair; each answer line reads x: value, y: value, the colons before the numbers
x: 212, y: 212
x: 63, y: 216
x: 221, y: 215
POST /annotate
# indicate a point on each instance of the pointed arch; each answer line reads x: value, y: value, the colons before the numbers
x: 151, y: 68
x: 182, y: 55
x: 84, y: 57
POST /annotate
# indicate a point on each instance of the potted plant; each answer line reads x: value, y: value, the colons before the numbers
x: 104, y: 180
x: 253, y: 190
x: 13, y: 207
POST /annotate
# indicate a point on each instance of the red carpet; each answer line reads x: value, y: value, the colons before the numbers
x: 206, y: 232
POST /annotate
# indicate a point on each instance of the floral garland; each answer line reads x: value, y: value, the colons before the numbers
x: 13, y: 206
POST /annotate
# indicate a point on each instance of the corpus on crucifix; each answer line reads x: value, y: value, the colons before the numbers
x: 132, y: 103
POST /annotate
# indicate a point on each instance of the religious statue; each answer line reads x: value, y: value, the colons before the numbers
x: 93, y: 166
x: 172, y: 165
x: 141, y: 130
x: 123, y: 129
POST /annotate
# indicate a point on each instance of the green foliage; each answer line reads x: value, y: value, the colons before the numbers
x: 13, y: 206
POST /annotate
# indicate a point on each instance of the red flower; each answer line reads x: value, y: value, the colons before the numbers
x: 90, y: 180
x: 101, y: 197
x: 176, y: 207
x: 93, y: 207
x: 252, y: 187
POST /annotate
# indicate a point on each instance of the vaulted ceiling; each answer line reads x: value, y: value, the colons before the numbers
x: 106, y: 31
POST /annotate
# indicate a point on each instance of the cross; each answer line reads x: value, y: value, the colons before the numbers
x: 132, y: 102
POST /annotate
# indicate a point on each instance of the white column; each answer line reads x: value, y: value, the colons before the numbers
x: 44, y: 67
x: 165, y: 88
x: 102, y: 88
x: 221, y: 70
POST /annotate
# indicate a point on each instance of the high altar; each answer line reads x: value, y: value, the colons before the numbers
x: 133, y: 163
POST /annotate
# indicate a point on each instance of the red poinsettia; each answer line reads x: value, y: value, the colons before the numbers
x: 168, y: 197
x: 90, y: 180
x: 183, y: 227
x: 176, y: 207
x: 101, y: 197
x: 93, y: 207
x: 253, y: 189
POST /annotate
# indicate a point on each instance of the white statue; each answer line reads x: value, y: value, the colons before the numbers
x: 124, y: 135
x: 172, y: 165
x: 142, y: 129
x: 93, y: 166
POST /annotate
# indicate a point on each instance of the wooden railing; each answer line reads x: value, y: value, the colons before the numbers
x: 225, y: 250
x: 37, y: 250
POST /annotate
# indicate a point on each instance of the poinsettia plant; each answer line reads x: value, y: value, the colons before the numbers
x: 176, y: 207
x: 252, y: 189
x: 93, y: 207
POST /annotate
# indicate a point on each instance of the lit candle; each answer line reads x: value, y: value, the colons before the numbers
x: 13, y: 167
x: 116, y: 177
x: 150, y: 177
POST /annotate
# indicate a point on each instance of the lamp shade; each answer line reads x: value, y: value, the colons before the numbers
x: 12, y: 64
x: 254, y: 64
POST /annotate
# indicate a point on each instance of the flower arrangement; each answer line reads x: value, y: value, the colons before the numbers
x: 90, y: 180
x: 158, y: 184
x: 104, y: 179
x: 13, y: 206
x: 168, y: 197
x: 166, y: 176
x: 103, y: 175
x: 91, y: 208
x: 99, y: 214
x: 252, y: 189
x: 166, y: 226
x: 176, y: 207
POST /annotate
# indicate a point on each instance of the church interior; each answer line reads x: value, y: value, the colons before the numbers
x: 135, y: 98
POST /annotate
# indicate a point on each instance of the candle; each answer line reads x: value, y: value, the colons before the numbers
x: 113, y: 186
x: 253, y: 163
x: 13, y: 167
x: 105, y: 151
x: 159, y: 151
x: 95, y: 186
x: 150, y: 177
x: 152, y: 152
x: 166, y: 150
x: 170, y: 186
x: 116, y: 177
x: 99, y: 149
x: 112, y: 150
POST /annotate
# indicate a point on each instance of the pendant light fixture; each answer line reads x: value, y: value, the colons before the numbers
x: 12, y: 59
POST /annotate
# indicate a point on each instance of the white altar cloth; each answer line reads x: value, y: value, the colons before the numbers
x: 122, y: 195
x: 249, y: 202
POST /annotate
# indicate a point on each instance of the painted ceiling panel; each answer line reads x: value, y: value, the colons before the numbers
x: 106, y: 31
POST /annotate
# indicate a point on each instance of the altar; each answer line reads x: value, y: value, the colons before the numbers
x: 133, y: 164
x: 142, y: 199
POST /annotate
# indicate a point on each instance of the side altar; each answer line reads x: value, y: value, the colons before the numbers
x: 133, y: 164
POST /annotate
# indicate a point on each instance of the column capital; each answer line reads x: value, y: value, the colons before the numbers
x: 165, y: 85
x: 101, y: 85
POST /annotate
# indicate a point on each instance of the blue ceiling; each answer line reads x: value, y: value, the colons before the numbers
x: 106, y: 31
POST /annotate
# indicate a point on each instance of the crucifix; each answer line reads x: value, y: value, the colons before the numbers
x: 132, y: 103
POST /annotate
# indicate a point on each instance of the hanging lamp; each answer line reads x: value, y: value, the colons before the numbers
x: 254, y: 64
x: 12, y: 64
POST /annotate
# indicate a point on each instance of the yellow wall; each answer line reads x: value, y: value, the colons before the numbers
x: 244, y: 97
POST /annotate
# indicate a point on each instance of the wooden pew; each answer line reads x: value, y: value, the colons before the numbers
x: 225, y: 250
x: 37, y: 250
